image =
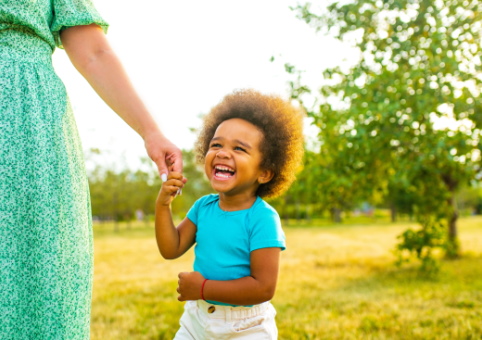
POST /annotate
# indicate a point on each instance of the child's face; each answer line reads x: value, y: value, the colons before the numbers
x: 232, y: 163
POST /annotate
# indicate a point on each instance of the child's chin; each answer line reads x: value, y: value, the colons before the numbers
x: 222, y: 188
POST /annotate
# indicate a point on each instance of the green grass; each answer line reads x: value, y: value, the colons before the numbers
x: 336, y: 282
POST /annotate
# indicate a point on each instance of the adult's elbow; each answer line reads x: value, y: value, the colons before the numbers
x: 90, y: 62
x: 86, y: 46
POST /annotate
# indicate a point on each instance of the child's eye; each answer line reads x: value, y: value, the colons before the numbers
x: 215, y: 145
x: 238, y: 148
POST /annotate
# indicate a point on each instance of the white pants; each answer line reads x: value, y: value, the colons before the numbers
x: 204, y: 321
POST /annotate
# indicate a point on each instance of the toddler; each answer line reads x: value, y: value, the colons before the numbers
x: 251, y: 146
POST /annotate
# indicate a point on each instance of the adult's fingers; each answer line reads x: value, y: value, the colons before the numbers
x: 174, y: 160
x: 162, y: 166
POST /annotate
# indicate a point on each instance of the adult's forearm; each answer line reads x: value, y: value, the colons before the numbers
x: 92, y: 55
x: 106, y: 75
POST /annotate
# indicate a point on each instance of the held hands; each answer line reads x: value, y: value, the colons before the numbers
x: 189, y: 286
x: 170, y: 188
x: 168, y: 159
x: 165, y: 154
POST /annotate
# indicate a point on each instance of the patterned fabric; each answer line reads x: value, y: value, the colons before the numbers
x: 45, y: 224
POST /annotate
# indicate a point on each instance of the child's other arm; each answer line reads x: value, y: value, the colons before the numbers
x: 259, y: 287
x: 171, y: 241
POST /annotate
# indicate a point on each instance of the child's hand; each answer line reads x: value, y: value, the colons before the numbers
x: 170, y: 188
x: 189, y: 286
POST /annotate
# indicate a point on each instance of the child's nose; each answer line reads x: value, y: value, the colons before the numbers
x: 222, y: 154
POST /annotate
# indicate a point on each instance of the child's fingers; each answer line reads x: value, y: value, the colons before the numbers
x: 173, y: 184
x: 174, y: 178
x: 167, y: 194
x: 170, y: 189
x: 173, y: 175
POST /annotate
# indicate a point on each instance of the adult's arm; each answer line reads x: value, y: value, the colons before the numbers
x: 91, y: 54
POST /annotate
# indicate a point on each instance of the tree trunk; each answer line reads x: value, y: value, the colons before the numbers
x: 453, y: 246
x: 297, y: 210
x: 336, y: 215
x: 393, y: 213
x: 114, y: 209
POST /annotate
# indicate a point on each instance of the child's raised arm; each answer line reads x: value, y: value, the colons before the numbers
x: 259, y: 287
x: 171, y: 241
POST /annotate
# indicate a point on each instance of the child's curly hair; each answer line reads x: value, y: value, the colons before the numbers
x: 281, y: 125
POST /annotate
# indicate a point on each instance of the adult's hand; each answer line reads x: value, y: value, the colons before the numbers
x: 164, y: 153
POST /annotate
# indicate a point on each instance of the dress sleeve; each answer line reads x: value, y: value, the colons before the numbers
x: 68, y: 13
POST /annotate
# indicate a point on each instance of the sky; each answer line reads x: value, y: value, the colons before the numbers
x: 183, y: 57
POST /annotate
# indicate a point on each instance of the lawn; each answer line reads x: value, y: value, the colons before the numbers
x: 336, y: 282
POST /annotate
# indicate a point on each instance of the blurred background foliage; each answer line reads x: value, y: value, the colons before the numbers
x: 117, y: 194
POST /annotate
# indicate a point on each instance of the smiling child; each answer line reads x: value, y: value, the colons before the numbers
x: 251, y: 146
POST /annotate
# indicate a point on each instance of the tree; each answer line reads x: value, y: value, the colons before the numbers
x: 302, y: 198
x: 408, y: 113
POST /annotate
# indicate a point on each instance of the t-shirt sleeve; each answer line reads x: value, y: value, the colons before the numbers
x: 69, y: 13
x: 192, y: 214
x: 266, y: 231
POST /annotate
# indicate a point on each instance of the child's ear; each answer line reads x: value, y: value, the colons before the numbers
x: 265, y: 176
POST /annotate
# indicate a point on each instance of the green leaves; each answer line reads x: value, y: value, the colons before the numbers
x: 406, y: 119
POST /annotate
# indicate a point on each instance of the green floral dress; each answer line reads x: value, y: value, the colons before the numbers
x: 45, y: 224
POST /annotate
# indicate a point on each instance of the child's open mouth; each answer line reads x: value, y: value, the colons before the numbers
x: 223, y: 172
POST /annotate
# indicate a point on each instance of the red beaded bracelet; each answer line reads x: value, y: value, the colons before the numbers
x: 202, y: 289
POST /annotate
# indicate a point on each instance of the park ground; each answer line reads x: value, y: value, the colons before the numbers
x: 336, y: 282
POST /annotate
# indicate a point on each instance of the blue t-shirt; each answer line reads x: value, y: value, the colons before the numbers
x: 225, y: 239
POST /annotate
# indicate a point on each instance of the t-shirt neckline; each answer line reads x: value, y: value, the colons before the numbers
x: 235, y: 212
